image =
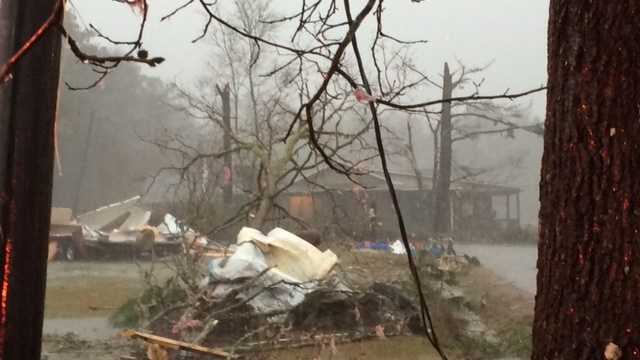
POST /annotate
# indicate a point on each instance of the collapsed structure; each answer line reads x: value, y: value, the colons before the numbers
x: 117, y: 228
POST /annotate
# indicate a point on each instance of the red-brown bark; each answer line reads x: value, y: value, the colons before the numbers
x: 26, y: 172
x: 589, y: 250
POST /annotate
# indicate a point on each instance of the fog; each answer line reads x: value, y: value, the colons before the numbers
x: 511, y: 35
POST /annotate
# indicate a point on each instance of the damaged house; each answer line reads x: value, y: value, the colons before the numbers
x: 121, y: 228
x: 331, y: 202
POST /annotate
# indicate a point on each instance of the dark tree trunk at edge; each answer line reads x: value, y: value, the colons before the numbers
x: 25, y: 194
x: 589, y: 251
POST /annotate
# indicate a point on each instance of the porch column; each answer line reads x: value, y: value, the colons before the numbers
x: 518, y: 207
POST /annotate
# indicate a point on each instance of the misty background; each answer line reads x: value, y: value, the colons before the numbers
x: 104, y: 159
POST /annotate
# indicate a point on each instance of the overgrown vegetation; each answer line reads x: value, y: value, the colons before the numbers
x: 161, y: 292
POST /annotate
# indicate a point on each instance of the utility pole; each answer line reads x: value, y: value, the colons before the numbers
x: 28, y: 103
x: 442, y: 204
x: 225, y: 96
x: 83, y: 164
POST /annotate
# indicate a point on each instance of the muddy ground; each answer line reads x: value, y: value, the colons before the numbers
x: 82, y: 295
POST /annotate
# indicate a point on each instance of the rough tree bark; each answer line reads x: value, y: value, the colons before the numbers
x: 7, y: 27
x: 25, y: 194
x: 589, y: 255
x: 442, y: 207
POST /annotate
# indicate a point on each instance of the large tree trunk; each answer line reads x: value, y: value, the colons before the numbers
x: 442, y: 208
x: 434, y: 179
x: 589, y: 255
x: 225, y: 96
x: 27, y: 172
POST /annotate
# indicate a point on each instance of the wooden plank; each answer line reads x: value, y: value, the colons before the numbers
x: 175, y: 344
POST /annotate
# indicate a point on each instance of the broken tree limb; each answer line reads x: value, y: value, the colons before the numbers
x: 210, y: 323
x: 163, y: 313
x: 175, y: 344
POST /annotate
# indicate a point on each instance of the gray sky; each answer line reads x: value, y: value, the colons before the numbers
x: 510, y: 32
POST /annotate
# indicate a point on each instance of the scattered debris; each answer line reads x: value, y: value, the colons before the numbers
x: 369, y: 245
x: 472, y: 260
x: 156, y: 352
x: 276, y: 291
x: 334, y: 310
x: 612, y: 352
x: 362, y: 96
x: 380, y: 332
x: 124, y: 225
x: 398, y: 248
x: 65, y: 235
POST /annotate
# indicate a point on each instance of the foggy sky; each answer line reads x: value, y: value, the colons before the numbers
x: 510, y: 32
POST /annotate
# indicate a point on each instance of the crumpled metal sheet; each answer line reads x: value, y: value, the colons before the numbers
x: 283, y: 269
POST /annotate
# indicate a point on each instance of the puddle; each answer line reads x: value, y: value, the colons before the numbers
x: 516, y: 264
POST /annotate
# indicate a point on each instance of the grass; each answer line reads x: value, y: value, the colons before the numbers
x: 79, y: 298
x: 517, y: 340
x: 397, y: 348
x: 154, y: 299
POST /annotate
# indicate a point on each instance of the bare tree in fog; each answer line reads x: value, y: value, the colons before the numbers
x: 455, y: 123
x: 266, y: 163
x: 104, y: 122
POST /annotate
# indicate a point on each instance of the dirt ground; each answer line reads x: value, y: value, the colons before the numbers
x: 81, y: 296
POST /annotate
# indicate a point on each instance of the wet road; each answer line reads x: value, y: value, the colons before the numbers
x: 516, y: 264
x: 93, y: 328
x: 81, y: 295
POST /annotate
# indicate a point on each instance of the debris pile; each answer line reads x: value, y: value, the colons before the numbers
x: 128, y: 223
x: 281, y: 267
x: 278, y: 290
x: 122, y: 228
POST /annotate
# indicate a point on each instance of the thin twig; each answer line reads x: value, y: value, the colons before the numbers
x: 474, y: 97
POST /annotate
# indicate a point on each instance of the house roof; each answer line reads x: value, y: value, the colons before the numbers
x: 327, y: 179
x: 122, y: 215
